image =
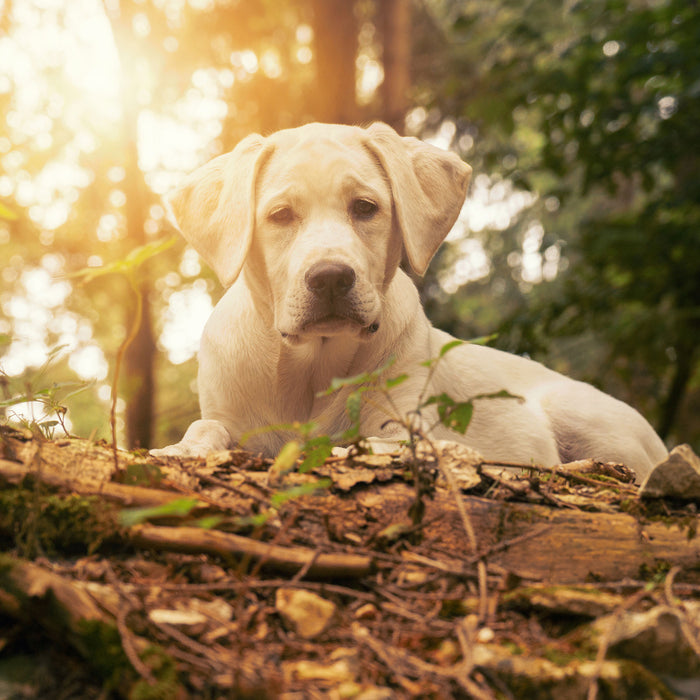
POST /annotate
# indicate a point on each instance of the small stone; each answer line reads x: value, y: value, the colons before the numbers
x: 308, y: 613
x: 678, y: 477
x: 485, y: 635
x: 177, y: 618
x: 366, y: 612
x: 217, y: 609
x: 335, y: 673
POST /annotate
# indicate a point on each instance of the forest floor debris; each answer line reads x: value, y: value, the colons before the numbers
x: 195, y: 579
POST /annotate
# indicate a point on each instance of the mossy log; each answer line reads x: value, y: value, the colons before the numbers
x: 534, y: 541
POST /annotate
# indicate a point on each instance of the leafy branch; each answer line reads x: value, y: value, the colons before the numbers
x: 127, y: 267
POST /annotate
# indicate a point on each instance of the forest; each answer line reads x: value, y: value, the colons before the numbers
x: 318, y: 572
x: 578, y: 245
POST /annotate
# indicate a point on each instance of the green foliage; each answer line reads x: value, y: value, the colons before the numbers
x: 281, y: 497
x: 52, y: 397
x: 129, y: 264
x: 177, y: 508
x: 592, y: 106
x: 316, y: 451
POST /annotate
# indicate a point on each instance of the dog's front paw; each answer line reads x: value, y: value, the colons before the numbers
x: 202, y: 438
x: 178, y: 450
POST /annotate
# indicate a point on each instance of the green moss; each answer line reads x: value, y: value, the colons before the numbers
x: 100, y: 645
x: 164, y: 670
x: 655, y: 572
x: 636, y: 682
x: 44, y: 524
x: 562, y: 659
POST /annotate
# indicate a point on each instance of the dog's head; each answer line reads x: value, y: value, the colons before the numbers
x: 317, y: 217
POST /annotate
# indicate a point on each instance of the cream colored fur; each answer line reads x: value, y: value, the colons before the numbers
x: 276, y: 210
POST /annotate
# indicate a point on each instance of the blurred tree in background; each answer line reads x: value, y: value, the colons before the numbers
x: 594, y: 107
x: 579, y: 243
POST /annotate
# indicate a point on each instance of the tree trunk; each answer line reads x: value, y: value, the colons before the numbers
x: 676, y: 393
x: 395, y: 24
x: 138, y: 381
x: 335, y: 48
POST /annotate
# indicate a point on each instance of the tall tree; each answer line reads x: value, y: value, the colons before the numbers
x: 335, y: 45
x: 138, y: 382
x: 395, y: 25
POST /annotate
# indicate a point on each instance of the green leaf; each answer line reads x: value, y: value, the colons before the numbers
x: 439, y: 399
x: 483, y: 340
x: 126, y: 265
x: 395, y: 381
x: 502, y: 394
x: 316, y: 452
x: 208, y: 522
x: 257, y: 520
x: 178, y: 508
x: 351, y: 434
x: 449, y: 346
x: 443, y: 351
x: 458, y: 417
x: 277, y: 499
x: 354, y: 406
x: 287, y: 458
x: 359, y: 379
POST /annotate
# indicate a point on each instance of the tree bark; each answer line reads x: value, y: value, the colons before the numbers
x: 138, y: 382
x: 335, y: 48
x: 676, y: 393
x: 395, y: 23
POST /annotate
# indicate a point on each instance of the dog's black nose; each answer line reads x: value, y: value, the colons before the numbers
x: 330, y: 279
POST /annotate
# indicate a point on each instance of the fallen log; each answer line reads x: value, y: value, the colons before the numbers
x: 629, y: 539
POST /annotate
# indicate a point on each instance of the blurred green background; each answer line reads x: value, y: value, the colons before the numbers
x: 579, y: 244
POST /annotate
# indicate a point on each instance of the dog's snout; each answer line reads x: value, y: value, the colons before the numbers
x: 330, y: 279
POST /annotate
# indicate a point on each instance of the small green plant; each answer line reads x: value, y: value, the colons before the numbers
x: 128, y: 267
x: 51, y: 397
x: 374, y: 388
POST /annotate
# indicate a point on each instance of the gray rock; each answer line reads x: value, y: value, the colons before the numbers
x: 655, y: 638
x: 676, y: 477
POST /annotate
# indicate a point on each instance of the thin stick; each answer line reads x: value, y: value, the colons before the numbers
x: 136, y: 324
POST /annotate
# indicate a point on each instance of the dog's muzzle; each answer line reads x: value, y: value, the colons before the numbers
x: 334, y: 303
x: 330, y: 282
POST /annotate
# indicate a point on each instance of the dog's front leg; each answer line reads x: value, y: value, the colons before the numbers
x: 201, y: 438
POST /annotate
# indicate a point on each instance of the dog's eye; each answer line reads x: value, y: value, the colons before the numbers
x: 282, y: 215
x: 364, y: 208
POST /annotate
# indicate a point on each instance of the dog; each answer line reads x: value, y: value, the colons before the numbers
x: 306, y: 230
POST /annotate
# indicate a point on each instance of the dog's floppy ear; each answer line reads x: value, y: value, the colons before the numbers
x: 429, y: 186
x: 214, y: 208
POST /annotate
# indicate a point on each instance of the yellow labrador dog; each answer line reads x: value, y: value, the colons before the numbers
x: 306, y: 229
